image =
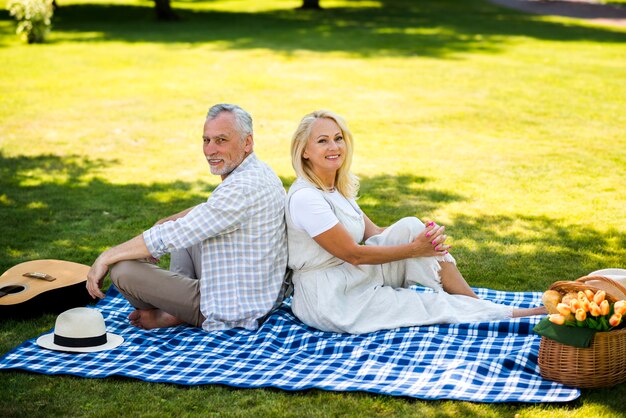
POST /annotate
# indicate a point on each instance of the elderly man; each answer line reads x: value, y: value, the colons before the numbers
x: 228, y: 255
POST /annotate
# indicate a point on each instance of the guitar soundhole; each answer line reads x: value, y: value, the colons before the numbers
x: 12, y: 289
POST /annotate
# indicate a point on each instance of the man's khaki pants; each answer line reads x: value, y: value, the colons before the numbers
x: 176, y: 291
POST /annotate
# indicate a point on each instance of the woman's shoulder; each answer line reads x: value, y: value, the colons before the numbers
x: 301, y: 184
x: 306, y: 196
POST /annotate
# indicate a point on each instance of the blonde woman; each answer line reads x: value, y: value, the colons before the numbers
x: 351, y: 275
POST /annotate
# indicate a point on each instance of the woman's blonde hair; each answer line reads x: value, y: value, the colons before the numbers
x: 345, y: 182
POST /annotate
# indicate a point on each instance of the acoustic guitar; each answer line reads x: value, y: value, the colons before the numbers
x: 39, y: 286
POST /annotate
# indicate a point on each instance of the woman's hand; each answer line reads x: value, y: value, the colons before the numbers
x: 431, y: 242
x: 340, y: 243
x: 438, y: 241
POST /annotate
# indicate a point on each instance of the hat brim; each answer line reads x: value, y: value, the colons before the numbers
x: 47, y: 341
x: 615, y: 274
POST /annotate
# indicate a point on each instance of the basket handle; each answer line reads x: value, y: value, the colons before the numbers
x: 566, y: 286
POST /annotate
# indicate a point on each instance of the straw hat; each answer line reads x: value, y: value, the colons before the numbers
x: 80, y: 330
x: 619, y: 275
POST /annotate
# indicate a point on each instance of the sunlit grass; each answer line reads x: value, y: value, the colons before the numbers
x: 615, y: 2
x: 508, y: 128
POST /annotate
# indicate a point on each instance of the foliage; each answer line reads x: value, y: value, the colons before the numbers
x: 34, y: 18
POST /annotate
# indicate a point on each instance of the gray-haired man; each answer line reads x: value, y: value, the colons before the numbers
x: 229, y: 254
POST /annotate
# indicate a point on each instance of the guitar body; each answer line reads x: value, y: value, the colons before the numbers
x: 54, y: 286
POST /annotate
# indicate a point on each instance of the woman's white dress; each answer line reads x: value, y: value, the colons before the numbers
x: 333, y: 295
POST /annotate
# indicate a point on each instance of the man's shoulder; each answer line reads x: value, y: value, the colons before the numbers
x: 253, y: 177
x: 256, y: 173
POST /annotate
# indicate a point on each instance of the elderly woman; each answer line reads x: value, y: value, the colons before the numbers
x: 343, y: 286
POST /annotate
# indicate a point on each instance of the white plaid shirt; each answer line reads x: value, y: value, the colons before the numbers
x: 244, y: 245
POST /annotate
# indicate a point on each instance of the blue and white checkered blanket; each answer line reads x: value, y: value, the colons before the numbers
x: 483, y: 362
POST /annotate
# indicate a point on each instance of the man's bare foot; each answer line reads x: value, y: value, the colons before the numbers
x: 153, y: 318
x: 541, y: 310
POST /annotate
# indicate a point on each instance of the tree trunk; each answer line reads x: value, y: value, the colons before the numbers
x: 310, y: 5
x: 164, y: 10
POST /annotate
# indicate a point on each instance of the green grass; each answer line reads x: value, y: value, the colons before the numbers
x: 506, y: 127
x: 615, y: 2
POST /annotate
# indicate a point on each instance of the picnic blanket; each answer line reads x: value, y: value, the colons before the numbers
x: 482, y: 362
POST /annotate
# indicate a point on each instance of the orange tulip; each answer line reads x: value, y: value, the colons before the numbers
x: 582, y: 297
x: 620, y: 307
x: 594, y: 309
x: 581, y: 315
x: 557, y: 319
x: 615, y: 320
x: 599, y: 296
x: 563, y: 309
x: 605, y: 307
x: 589, y: 294
x: 575, y: 305
x: 587, y: 306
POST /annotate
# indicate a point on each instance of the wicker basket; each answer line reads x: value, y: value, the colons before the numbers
x: 603, y: 363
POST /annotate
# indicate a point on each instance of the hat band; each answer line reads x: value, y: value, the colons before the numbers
x: 80, y: 342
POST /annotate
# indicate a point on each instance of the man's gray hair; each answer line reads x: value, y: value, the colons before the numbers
x: 243, y: 120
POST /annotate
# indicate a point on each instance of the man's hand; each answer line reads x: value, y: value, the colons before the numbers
x: 133, y: 249
x: 95, y: 278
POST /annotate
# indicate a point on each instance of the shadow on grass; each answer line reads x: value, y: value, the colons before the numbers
x: 51, y: 207
x: 435, y: 28
x: 388, y: 198
x: 531, y: 252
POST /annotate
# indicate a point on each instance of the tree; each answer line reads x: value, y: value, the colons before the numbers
x: 311, y: 5
x: 164, y: 10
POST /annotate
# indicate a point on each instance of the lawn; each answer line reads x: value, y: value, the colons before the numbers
x: 508, y: 128
x: 615, y: 2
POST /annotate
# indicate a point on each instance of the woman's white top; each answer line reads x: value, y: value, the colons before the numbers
x: 310, y: 211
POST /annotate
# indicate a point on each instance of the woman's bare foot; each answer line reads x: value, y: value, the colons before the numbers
x: 153, y: 318
x: 517, y: 313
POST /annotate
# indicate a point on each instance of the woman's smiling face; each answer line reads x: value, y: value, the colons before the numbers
x: 325, y: 149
